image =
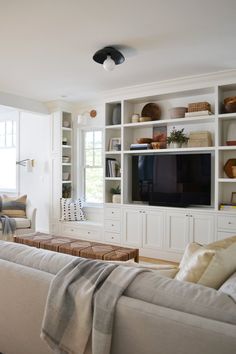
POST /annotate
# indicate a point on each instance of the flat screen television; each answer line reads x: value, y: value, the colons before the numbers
x: 172, y: 180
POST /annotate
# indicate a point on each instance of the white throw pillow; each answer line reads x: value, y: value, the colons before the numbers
x: 71, y: 210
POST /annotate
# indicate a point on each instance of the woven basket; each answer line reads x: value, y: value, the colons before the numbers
x: 199, y: 106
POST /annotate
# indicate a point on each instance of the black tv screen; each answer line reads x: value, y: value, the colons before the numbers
x: 172, y: 180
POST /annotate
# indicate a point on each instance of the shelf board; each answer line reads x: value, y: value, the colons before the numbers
x: 162, y: 151
x: 227, y: 116
x: 227, y: 180
x: 63, y: 182
x: 66, y: 164
x: 118, y: 126
x: 67, y: 129
x: 229, y: 148
x: 67, y: 146
x: 199, y: 119
x: 112, y: 178
x: 113, y: 152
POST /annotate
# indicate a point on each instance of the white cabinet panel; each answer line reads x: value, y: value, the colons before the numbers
x: 224, y: 234
x: 227, y: 222
x: 112, y: 213
x: 132, y: 227
x: 201, y: 228
x: 112, y: 225
x: 177, y: 231
x: 153, y: 229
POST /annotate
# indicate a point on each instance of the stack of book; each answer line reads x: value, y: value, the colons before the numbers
x: 140, y: 146
x: 200, y: 139
x: 198, y: 113
x: 228, y: 207
x: 112, y: 168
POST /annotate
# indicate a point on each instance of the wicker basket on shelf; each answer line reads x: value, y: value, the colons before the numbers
x: 199, y: 106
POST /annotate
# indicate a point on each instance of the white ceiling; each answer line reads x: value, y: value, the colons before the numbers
x: 46, y: 46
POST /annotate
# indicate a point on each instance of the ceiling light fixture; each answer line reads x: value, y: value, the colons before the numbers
x: 109, y: 57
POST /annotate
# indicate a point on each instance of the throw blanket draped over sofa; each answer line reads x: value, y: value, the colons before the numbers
x: 82, y: 300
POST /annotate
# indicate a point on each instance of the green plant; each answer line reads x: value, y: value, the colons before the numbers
x: 177, y: 136
x: 116, y: 190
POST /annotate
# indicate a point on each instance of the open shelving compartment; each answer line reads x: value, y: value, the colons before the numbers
x: 66, y: 149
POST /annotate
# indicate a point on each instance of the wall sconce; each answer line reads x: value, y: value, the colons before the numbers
x: 28, y: 163
x: 82, y: 118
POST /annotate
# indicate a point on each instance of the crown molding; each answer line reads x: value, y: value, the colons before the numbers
x: 59, y: 105
x: 22, y: 103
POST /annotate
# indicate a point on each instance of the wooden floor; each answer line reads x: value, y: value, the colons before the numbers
x: 156, y: 261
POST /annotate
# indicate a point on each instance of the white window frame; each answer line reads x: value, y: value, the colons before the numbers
x: 81, y: 163
x: 17, y: 120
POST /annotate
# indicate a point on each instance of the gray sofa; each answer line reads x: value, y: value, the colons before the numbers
x: 173, y: 318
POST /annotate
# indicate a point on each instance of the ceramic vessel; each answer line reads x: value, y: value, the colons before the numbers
x: 116, y: 114
x: 116, y: 198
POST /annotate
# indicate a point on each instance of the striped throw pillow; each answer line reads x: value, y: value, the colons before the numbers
x: 14, y: 207
x: 71, y: 210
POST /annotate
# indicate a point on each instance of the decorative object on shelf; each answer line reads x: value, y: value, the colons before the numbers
x: 112, y: 168
x: 135, y: 118
x: 228, y: 207
x: 109, y: 57
x: 64, y: 141
x: 228, y: 167
x: 144, y: 119
x: 231, y: 133
x: 178, y: 112
x: 115, y: 144
x: 144, y: 141
x: 116, y: 194
x: 66, y: 191
x: 234, y: 171
x: 66, y: 123
x: 177, y: 138
x: 116, y: 114
x: 65, y: 176
x: 156, y: 145
x: 199, y: 106
x: 233, y: 198
x: 151, y: 110
x: 200, y: 139
x: 230, y: 104
x: 160, y: 135
x: 65, y: 159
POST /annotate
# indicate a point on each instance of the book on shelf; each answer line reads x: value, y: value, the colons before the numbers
x: 228, y: 207
x: 140, y: 146
x: 198, y: 113
x: 112, y: 168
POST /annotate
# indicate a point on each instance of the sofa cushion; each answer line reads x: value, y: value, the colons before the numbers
x: 229, y: 287
x: 183, y: 296
x: 14, y: 207
x: 21, y: 223
x: 225, y: 243
x: 47, y: 261
x: 222, y: 265
x: 194, y: 262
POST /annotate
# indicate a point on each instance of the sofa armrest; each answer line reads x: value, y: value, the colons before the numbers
x: 31, y: 215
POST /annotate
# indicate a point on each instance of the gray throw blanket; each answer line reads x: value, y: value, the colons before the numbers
x: 8, y: 225
x: 81, y: 303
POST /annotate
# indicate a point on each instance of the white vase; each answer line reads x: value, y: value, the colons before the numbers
x: 116, y: 198
x: 175, y: 145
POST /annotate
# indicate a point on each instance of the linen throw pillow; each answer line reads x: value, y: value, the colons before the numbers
x: 14, y: 207
x: 71, y: 210
x: 194, y: 262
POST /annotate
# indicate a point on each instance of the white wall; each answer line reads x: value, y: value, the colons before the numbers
x: 35, y: 144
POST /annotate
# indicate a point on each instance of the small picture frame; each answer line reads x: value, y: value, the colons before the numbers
x: 115, y: 144
x: 233, y: 198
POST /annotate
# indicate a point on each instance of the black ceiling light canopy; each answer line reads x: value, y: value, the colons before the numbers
x: 109, y: 57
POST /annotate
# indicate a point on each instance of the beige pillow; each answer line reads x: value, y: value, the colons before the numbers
x: 222, y: 265
x: 14, y: 207
x: 225, y: 243
x: 194, y: 262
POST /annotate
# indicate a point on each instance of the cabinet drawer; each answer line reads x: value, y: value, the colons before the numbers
x: 112, y: 225
x: 76, y: 232
x: 112, y: 237
x: 227, y: 222
x: 112, y: 213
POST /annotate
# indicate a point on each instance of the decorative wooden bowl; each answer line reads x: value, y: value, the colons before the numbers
x: 151, y: 110
x: 228, y: 167
x: 144, y: 141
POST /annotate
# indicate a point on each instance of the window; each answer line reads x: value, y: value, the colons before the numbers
x: 93, y: 169
x: 8, y: 153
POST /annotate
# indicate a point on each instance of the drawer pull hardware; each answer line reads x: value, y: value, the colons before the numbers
x: 112, y: 212
x: 229, y: 222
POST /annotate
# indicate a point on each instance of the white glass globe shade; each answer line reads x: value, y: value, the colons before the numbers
x: 109, y: 64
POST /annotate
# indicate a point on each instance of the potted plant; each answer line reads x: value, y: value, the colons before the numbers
x: 177, y: 138
x: 116, y: 198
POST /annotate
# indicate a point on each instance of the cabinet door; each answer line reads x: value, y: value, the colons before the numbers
x: 153, y: 229
x: 132, y: 227
x: 177, y: 231
x: 201, y: 228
